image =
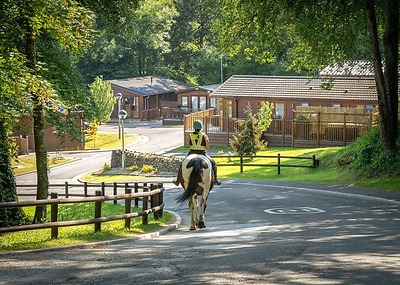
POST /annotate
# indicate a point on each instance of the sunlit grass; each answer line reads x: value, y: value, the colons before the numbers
x: 326, y: 173
x: 26, y: 164
x: 81, y: 234
x: 108, y: 140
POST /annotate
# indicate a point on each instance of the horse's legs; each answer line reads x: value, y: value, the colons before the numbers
x: 203, y: 206
x: 193, y: 211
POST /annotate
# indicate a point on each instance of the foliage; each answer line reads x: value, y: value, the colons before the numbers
x: 102, y: 101
x: 366, y: 156
x: 264, y: 116
x: 148, y: 168
x: 248, y: 138
x: 106, y: 167
x: 133, y: 42
x: 316, y: 33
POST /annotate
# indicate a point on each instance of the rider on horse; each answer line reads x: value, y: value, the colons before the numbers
x: 198, y: 144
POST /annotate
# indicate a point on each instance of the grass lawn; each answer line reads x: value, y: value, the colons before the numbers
x: 324, y: 174
x: 108, y: 140
x: 35, y: 239
x: 26, y: 164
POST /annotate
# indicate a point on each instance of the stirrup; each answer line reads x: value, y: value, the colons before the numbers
x: 175, y: 181
x: 217, y: 182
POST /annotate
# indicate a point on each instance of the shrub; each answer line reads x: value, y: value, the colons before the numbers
x: 106, y: 167
x: 132, y: 168
x: 367, y: 157
x: 147, y: 168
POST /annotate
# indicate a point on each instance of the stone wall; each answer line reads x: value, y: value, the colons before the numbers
x: 161, y: 162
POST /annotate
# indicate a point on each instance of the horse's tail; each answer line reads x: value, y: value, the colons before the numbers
x: 194, y: 179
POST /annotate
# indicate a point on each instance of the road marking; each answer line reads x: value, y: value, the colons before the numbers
x: 294, y: 211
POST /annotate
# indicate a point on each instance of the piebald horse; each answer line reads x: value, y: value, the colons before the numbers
x: 197, y: 179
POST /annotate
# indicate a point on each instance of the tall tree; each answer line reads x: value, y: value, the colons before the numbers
x: 131, y: 43
x: 25, y: 23
x: 14, y: 98
x: 102, y: 101
x: 320, y: 32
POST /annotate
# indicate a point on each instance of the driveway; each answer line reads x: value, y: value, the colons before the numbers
x: 258, y: 232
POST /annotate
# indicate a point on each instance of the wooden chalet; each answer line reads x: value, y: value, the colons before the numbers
x: 291, y: 96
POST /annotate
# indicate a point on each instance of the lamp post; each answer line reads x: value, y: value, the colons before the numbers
x: 118, y: 96
x: 122, y: 116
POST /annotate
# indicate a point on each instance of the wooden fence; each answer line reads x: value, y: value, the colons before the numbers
x: 308, y: 129
x: 155, y: 192
x: 278, y: 165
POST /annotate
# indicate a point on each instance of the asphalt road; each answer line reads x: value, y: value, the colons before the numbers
x: 154, y: 139
x: 258, y: 232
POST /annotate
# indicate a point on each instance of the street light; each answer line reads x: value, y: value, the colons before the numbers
x: 122, y: 116
x: 118, y: 96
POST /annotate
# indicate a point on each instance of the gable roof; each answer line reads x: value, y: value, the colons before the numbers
x: 150, y: 85
x: 295, y: 87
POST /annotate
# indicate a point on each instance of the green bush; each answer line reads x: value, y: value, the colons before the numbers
x: 147, y: 168
x: 132, y: 168
x: 367, y: 157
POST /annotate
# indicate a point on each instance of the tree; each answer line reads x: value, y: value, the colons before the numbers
x: 248, y: 139
x: 13, y: 95
x: 133, y: 42
x: 319, y: 32
x: 25, y: 23
x: 102, y: 101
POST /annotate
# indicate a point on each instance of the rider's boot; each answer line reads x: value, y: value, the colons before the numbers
x: 216, y: 181
x: 178, y: 179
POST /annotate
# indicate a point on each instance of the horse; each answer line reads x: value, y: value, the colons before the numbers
x: 198, y: 179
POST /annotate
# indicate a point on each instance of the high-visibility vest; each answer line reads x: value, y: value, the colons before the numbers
x: 196, y: 142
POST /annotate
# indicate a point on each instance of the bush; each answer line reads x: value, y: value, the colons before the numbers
x: 367, y: 157
x: 106, y: 167
x: 147, y: 168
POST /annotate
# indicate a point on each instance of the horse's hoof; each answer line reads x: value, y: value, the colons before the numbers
x: 202, y: 225
x: 192, y: 228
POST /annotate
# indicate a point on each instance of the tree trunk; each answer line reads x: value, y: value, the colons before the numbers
x: 386, y: 82
x: 38, y: 131
x: 8, y: 190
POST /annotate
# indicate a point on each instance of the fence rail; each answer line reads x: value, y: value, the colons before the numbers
x: 279, y: 163
x: 155, y: 192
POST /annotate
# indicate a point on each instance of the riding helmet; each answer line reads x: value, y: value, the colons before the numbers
x: 197, y: 125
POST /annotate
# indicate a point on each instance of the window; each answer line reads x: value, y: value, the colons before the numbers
x: 126, y: 101
x: 213, y: 102
x: 203, y: 103
x: 195, y: 103
x: 279, y: 110
x: 336, y: 105
x: 305, y: 104
x: 369, y: 107
x: 185, y: 101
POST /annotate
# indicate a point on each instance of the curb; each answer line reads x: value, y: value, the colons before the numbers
x: 167, y: 229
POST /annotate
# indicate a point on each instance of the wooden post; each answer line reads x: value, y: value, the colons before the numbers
x: 85, y: 193
x: 97, y: 212
x: 136, y: 190
x: 66, y: 189
x: 279, y: 163
x: 103, y: 189
x: 160, y: 199
x: 128, y: 208
x: 241, y: 163
x: 153, y: 201
x: 314, y: 162
x: 115, y: 192
x: 145, y: 206
x: 54, y: 216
